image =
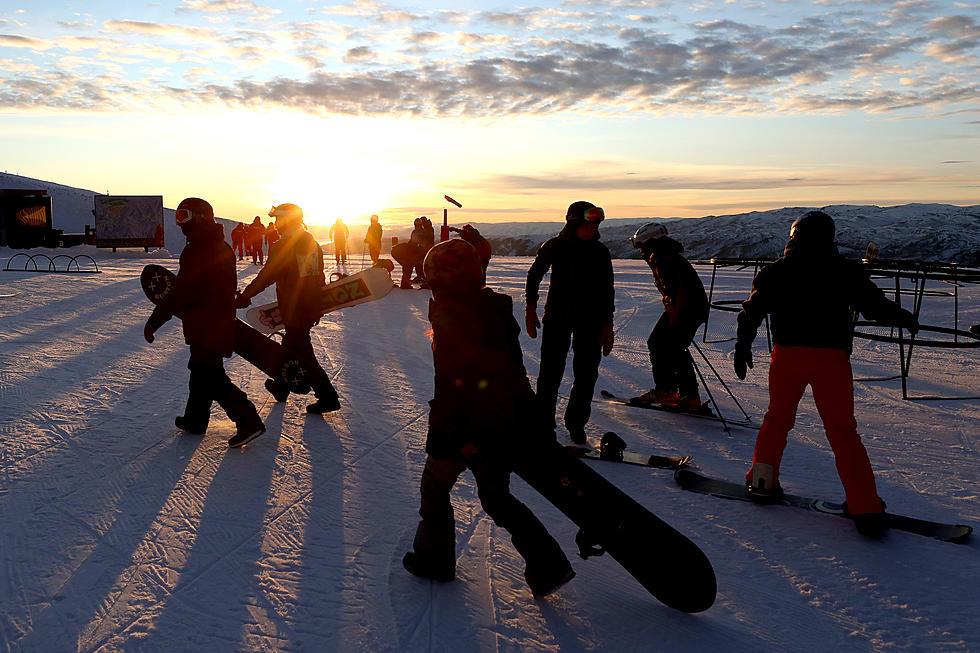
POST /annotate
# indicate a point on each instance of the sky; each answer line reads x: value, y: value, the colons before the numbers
x: 649, y: 108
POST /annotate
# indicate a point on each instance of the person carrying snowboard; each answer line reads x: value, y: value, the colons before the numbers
x: 578, y: 312
x: 482, y: 412
x: 295, y: 265
x: 204, y: 296
x: 339, y: 233
x: 372, y: 238
x: 810, y: 294
x: 685, y: 309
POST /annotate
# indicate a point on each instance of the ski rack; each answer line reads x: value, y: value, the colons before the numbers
x: 32, y: 259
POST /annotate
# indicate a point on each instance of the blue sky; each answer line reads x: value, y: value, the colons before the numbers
x: 646, y: 107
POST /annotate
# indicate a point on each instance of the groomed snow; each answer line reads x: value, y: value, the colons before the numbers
x: 120, y: 533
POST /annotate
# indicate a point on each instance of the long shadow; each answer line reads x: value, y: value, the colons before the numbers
x: 91, y: 297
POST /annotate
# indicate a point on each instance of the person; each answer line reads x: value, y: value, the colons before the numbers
x: 809, y: 294
x: 296, y: 267
x: 204, y: 296
x: 577, y: 313
x: 271, y: 234
x: 339, y: 233
x: 253, y: 238
x: 479, y: 416
x: 685, y: 309
x: 238, y: 240
x: 373, y: 240
x: 470, y: 234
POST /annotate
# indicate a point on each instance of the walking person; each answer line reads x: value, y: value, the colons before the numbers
x: 204, y: 296
x: 809, y: 295
x: 296, y: 267
x: 578, y: 312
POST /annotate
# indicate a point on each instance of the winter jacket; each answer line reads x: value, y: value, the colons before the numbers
x: 339, y: 233
x: 810, y: 294
x: 678, y: 282
x: 373, y: 235
x: 254, y: 234
x: 581, y: 286
x: 295, y: 265
x: 482, y: 394
x: 204, y: 295
x: 238, y: 234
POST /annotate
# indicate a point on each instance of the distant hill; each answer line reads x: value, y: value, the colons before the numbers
x: 930, y: 232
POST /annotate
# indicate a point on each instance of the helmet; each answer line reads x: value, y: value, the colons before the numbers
x: 647, y: 234
x: 813, y: 227
x: 286, y: 214
x: 453, y: 266
x: 576, y: 211
x: 194, y: 210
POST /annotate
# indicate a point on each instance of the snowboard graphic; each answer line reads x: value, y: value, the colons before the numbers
x: 364, y: 286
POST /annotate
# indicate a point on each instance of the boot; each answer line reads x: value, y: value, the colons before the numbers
x: 417, y: 566
x: 656, y: 397
x: 543, y: 584
x: 185, y: 425
x: 324, y: 405
x: 761, y: 486
x: 246, y: 433
x: 870, y: 524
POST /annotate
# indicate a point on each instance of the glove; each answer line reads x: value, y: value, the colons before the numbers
x: 531, y: 321
x: 147, y: 332
x: 242, y: 301
x: 743, y: 360
x: 606, y: 340
x: 911, y: 324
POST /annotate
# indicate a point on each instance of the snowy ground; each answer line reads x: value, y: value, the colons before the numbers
x: 121, y: 533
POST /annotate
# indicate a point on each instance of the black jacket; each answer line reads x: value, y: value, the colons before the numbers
x: 204, y: 296
x: 295, y: 265
x: 581, y: 287
x: 810, y: 295
x: 482, y: 394
x: 678, y: 282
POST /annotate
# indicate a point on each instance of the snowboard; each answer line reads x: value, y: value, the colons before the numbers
x: 262, y: 352
x: 704, y: 413
x: 612, y: 448
x: 358, y: 288
x: 665, y: 562
x: 695, y: 482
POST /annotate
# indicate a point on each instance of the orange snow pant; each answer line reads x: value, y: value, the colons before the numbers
x: 828, y: 373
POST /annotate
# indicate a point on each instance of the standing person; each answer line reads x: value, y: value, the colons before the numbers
x: 296, y: 267
x: 373, y: 239
x: 810, y: 293
x: 577, y: 313
x: 339, y: 233
x: 255, y: 234
x: 204, y: 296
x: 685, y: 309
x: 238, y: 240
x: 478, y: 418
x: 271, y: 235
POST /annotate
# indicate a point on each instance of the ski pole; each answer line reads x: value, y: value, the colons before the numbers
x: 711, y: 398
x: 721, y: 380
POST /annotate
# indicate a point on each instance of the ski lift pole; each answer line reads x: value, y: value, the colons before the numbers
x: 444, y: 236
x: 721, y: 381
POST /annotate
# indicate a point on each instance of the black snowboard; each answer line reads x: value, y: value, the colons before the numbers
x: 262, y: 352
x: 695, y: 482
x: 633, y: 458
x: 669, y: 565
x: 704, y: 413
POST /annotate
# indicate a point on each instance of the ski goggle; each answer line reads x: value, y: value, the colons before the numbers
x: 184, y: 216
x: 595, y: 215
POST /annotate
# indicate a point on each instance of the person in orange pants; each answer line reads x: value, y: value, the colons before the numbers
x: 809, y: 294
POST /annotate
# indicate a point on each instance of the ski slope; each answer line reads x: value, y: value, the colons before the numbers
x: 120, y: 533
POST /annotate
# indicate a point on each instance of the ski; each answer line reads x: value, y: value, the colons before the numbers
x: 612, y: 448
x: 610, y: 398
x: 690, y: 480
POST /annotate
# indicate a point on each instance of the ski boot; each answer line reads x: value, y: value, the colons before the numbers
x: 652, y: 397
x: 870, y: 524
x: 760, y: 485
x: 611, y: 447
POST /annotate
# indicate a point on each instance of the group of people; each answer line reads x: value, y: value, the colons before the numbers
x: 483, y: 407
x: 247, y: 239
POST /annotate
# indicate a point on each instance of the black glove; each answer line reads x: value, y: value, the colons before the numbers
x: 241, y: 301
x: 911, y: 324
x: 743, y: 360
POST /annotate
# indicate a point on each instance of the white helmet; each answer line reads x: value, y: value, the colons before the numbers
x: 646, y: 233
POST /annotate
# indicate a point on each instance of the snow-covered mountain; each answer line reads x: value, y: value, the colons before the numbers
x: 931, y: 232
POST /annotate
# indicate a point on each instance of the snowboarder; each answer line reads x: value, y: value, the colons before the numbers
x: 296, y: 267
x: 238, y: 240
x: 481, y: 412
x: 470, y: 234
x: 204, y: 296
x: 253, y: 238
x: 339, y: 233
x: 373, y: 240
x: 577, y: 313
x: 685, y: 309
x: 810, y: 293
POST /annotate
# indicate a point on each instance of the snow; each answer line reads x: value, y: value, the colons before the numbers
x: 122, y: 533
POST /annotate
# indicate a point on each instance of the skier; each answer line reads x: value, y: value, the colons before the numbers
x: 470, y: 234
x: 205, y: 298
x: 296, y: 267
x: 253, y: 236
x: 238, y: 240
x: 810, y: 293
x: 685, y: 309
x: 479, y: 416
x: 339, y: 233
x: 373, y: 239
x: 577, y: 313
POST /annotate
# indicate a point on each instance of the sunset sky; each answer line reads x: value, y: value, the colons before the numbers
x: 645, y: 107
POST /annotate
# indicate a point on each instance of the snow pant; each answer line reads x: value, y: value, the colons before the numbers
x: 296, y: 344
x: 556, y: 338
x: 435, y: 537
x: 257, y: 254
x: 209, y: 383
x: 670, y: 360
x: 240, y: 249
x: 340, y: 253
x: 374, y: 251
x: 828, y: 373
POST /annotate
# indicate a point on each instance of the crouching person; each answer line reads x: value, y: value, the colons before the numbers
x: 481, y: 413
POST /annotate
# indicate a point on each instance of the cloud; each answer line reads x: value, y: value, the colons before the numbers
x: 158, y: 29
x: 18, y: 41
x: 245, y: 7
